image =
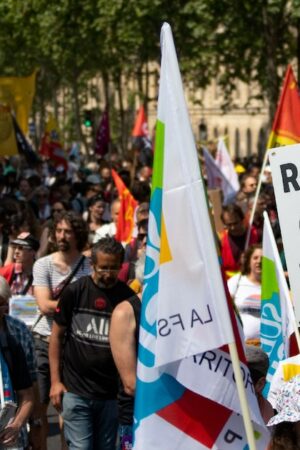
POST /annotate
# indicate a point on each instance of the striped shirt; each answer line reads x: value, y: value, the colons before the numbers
x: 47, y: 274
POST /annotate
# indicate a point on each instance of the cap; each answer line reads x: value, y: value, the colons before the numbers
x: 93, y: 179
x: 287, y: 403
x: 26, y: 240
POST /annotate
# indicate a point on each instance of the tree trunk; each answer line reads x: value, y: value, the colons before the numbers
x: 272, y: 89
x: 79, y: 134
x: 123, y: 139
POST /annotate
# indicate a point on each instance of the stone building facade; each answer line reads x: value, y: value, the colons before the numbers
x: 245, y: 123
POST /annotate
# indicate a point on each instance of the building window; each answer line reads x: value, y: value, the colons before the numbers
x: 216, y: 133
x: 237, y: 143
x: 262, y: 143
x: 249, y: 142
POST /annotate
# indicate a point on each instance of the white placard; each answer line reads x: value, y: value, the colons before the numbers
x: 285, y: 165
x: 23, y: 307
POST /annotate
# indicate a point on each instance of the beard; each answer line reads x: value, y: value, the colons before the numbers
x: 107, y: 285
x: 63, y: 246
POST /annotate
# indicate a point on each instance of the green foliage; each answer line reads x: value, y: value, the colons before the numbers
x: 71, y: 41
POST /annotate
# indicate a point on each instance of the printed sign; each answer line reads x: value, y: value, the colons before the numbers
x: 285, y: 165
x: 23, y: 307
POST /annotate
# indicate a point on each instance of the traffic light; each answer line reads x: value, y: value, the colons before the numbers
x: 88, y: 118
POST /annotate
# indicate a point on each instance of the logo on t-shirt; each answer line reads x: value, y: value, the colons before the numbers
x: 91, y: 328
x: 100, y: 303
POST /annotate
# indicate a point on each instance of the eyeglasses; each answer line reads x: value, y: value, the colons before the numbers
x: 107, y: 269
x: 141, y: 236
x: 57, y: 210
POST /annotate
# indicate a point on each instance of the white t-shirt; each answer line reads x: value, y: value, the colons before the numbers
x: 247, y: 298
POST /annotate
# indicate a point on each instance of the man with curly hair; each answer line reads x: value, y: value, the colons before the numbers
x: 51, y: 275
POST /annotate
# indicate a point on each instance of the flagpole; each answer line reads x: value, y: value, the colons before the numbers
x: 236, y: 366
x: 242, y: 395
x: 284, y: 283
x: 256, y: 199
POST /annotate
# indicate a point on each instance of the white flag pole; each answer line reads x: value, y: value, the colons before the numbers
x: 242, y: 395
x: 256, y: 199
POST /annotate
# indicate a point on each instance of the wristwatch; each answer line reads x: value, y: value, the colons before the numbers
x: 35, y: 422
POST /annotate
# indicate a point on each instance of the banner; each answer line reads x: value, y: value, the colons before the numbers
x: 285, y: 165
x: 277, y: 313
x: 8, y: 143
x: 18, y: 93
x: 182, y: 373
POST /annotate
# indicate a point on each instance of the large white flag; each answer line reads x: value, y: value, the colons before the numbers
x: 277, y: 315
x: 186, y: 389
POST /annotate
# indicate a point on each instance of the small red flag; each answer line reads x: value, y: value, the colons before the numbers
x: 140, y: 128
x: 103, y: 135
x: 286, y: 125
x: 126, y: 215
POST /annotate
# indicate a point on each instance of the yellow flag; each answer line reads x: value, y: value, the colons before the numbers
x: 8, y: 143
x: 18, y: 93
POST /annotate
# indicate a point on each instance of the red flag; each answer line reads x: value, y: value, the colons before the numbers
x: 126, y: 215
x: 103, y: 135
x: 140, y: 128
x: 286, y: 125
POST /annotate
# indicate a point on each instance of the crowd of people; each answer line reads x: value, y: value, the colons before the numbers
x: 57, y: 244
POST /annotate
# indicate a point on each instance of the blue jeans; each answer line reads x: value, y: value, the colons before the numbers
x: 89, y: 424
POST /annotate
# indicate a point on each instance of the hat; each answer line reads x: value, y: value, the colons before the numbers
x: 257, y: 360
x: 287, y: 403
x: 93, y: 179
x: 26, y: 240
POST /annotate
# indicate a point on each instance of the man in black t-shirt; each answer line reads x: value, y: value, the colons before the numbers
x: 85, y: 389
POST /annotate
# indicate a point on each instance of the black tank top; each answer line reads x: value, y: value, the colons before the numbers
x: 125, y: 401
